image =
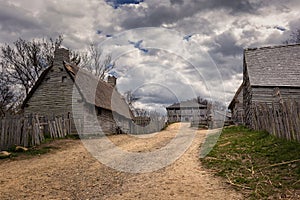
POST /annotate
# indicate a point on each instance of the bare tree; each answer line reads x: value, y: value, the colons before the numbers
x: 6, y: 95
x: 24, y: 61
x: 94, y: 61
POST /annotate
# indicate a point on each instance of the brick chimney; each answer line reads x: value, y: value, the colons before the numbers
x: 112, y: 80
x: 60, y: 55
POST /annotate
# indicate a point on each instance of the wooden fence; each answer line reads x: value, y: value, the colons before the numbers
x: 281, y: 119
x: 155, y: 124
x: 31, y: 130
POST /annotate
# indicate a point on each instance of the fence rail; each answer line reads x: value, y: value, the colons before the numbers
x: 281, y: 119
x: 31, y: 130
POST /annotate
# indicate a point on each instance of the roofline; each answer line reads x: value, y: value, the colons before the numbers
x: 274, y: 86
x: 39, y: 81
x: 271, y: 47
x: 42, y: 76
x: 78, y: 89
x: 35, y: 86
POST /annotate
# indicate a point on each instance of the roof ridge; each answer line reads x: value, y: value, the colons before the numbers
x: 271, y: 47
x: 85, y: 71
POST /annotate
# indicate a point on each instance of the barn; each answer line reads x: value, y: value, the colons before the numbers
x: 53, y: 95
x: 269, y: 73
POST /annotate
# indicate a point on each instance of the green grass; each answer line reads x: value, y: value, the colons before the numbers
x: 256, y: 163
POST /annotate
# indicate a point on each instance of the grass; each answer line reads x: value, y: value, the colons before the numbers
x: 33, y: 151
x: 44, y: 148
x: 256, y: 163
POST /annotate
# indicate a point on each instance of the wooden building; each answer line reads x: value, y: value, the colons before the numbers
x: 53, y: 94
x: 236, y: 107
x: 187, y: 111
x: 269, y: 73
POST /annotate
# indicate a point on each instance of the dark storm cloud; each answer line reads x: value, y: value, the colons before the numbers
x: 226, y: 44
x: 176, y: 2
x: 158, y: 15
x: 235, y: 7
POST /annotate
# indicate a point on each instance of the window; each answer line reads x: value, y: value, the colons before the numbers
x: 99, y: 111
x: 63, y: 79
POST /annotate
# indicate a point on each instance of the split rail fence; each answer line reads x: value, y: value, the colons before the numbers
x: 32, y: 130
x: 281, y: 119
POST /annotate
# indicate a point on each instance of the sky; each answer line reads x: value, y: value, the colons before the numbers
x: 165, y: 50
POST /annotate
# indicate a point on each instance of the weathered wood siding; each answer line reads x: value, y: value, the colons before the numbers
x: 238, y: 110
x: 267, y: 95
x: 247, y: 97
x: 186, y: 114
x: 54, y: 94
x: 97, y: 120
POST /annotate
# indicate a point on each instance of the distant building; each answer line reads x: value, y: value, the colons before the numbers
x: 187, y: 111
x: 53, y: 95
x: 236, y: 107
x: 270, y: 73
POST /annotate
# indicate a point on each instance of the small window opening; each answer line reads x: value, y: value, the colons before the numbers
x: 99, y: 111
x: 63, y: 79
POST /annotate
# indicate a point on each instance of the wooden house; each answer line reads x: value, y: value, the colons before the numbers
x: 236, y: 107
x: 187, y: 111
x: 57, y: 89
x: 270, y: 72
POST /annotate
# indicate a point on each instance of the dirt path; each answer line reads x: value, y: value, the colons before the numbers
x: 72, y: 173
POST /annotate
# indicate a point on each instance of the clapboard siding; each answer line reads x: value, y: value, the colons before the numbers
x: 247, y: 97
x: 267, y: 94
x: 236, y: 107
x: 270, y: 74
x: 53, y: 95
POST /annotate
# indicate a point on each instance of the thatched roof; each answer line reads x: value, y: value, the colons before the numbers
x: 273, y: 66
x: 106, y: 96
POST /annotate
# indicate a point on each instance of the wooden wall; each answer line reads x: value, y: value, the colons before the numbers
x: 186, y: 114
x: 54, y: 94
x: 238, y: 110
x: 247, y: 97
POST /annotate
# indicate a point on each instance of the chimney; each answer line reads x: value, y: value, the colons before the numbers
x: 60, y: 55
x: 112, y: 81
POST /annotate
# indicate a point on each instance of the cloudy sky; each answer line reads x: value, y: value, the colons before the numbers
x: 165, y: 50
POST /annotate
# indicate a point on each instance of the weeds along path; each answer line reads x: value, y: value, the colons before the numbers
x: 70, y: 172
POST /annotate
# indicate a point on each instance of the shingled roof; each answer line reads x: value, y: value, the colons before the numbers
x: 274, y: 66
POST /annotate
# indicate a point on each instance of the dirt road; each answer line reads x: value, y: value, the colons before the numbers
x: 70, y: 172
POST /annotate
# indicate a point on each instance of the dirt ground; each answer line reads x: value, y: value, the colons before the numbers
x: 70, y: 172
